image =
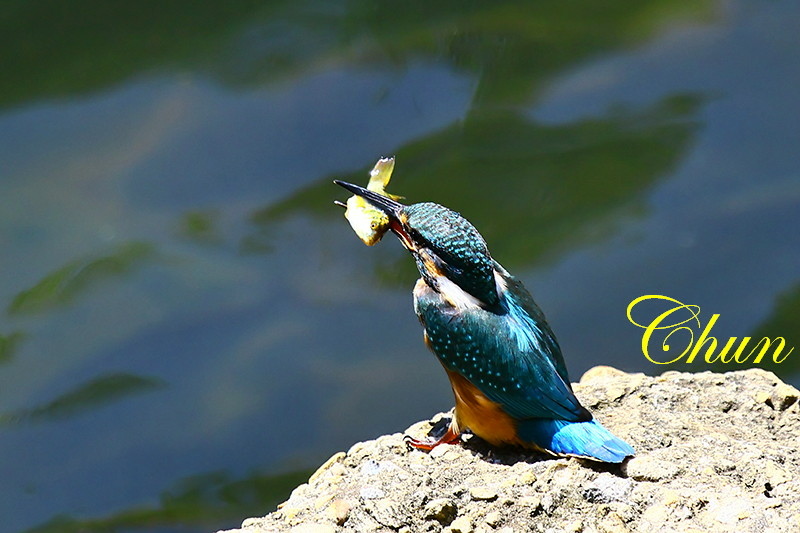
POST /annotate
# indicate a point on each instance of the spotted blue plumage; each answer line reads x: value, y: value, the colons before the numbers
x: 461, y: 249
x: 511, y: 360
x: 504, y: 347
x: 503, y: 361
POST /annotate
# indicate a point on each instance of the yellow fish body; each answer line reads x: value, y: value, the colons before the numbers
x: 369, y: 223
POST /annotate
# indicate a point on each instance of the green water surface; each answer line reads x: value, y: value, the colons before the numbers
x: 187, y: 324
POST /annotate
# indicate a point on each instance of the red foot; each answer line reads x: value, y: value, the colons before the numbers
x: 449, y: 437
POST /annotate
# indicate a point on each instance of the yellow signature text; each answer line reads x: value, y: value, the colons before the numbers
x: 681, y: 322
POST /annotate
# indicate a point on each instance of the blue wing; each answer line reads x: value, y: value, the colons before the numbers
x: 512, y: 357
x: 520, y: 302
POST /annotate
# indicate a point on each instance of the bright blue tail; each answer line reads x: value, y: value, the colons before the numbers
x: 587, y: 439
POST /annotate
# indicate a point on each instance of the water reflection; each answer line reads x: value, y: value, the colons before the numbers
x: 68, y: 282
x: 168, y: 219
x: 91, y: 395
x: 200, y: 227
x: 204, y: 501
x: 579, y: 181
x: 781, y: 322
x: 9, y: 343
x: 511, y: 46
x: 59, y: 51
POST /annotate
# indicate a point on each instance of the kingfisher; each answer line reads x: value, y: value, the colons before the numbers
x: 503, y: 361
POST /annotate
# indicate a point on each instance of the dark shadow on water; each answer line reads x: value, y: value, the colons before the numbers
x: 204, y: 502
x: 90, y: 395
x: 55, y: 290
x: 57, y: 50
x: 782, y: 323
x: 200, y: 227
x: 581, y: 181
x: 63, y: 285
x: 9, y: 344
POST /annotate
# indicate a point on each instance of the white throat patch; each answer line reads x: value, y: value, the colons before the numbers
x: 455, y: 295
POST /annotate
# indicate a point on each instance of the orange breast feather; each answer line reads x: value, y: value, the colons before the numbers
x: 481, y: 415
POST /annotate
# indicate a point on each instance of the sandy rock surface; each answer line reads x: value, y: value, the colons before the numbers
x: 715, y: 452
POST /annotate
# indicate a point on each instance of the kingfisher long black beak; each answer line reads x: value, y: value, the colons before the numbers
x: 392, y: 208
x: 384, y: 203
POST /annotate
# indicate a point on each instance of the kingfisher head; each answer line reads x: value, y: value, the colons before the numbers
x: 446, y: 247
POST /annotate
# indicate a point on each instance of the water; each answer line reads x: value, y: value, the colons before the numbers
x: 188, y: 324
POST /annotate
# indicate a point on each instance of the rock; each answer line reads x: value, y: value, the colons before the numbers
x: 600, y: 373
x: 482, y: 493
x: 532, y: 502
x: 339, y: 511
x: 440, y: 451
x: 387, y: 513
x: 783, y: 397
x: 442, y: 510
x: 715, y: 452
x: 651, y: 468
x: 371, y: 493
x: 461, y: 524
x: 313, y: 528
x: 335, y: 458
x: 493, y: 519
x: 607, y: 488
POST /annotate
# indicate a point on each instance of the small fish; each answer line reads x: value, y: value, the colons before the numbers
x: 370, y: 223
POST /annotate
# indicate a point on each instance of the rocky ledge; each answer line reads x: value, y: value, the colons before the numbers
x: 715, y: 452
